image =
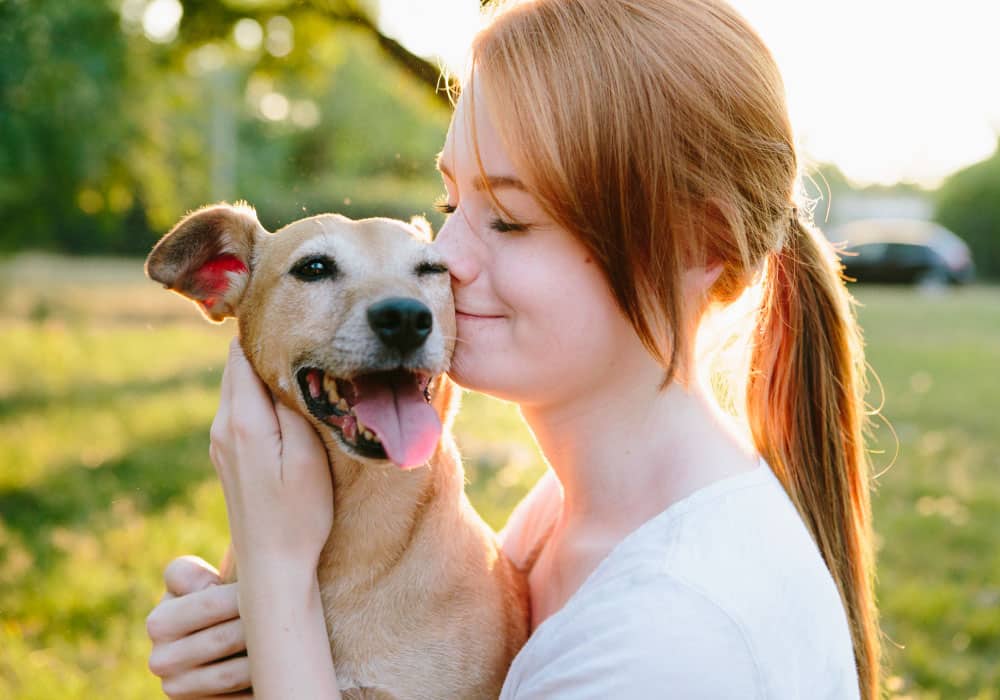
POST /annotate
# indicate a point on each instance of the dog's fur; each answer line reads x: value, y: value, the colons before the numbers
x: 419, y: 600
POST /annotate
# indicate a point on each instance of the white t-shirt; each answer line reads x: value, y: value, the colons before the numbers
x: 722, y: 595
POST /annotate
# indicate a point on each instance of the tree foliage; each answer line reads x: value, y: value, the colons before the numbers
x: 107, y: 137
x: 62, y: 84
x: 969, y: 204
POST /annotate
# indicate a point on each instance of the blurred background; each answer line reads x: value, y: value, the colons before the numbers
x: 119, y: 116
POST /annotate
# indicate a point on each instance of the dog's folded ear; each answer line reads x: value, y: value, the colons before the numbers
x: 207, y: 257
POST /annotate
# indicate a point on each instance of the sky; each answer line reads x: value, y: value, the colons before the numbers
x: 888, y: 90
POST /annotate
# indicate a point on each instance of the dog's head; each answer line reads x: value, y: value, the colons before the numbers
x: 352, y: 322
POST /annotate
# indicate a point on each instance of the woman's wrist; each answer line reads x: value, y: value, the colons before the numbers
x: 277, y: 573
x: 286, y: 633
x: 267, y: 555
x: 272, y: 582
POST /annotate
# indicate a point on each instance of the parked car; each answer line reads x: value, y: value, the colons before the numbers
x: 903, y: 251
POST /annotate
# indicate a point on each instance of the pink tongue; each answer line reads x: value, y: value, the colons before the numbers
x: 393, y: 408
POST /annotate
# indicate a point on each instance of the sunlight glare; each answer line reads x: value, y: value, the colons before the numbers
x: 889, y: 90
x: 161, y: 19
x: 248, y: 34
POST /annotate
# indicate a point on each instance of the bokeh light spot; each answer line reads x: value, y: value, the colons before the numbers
x: 161, y: 19
x: 248, y: 34
x: 280, y: 36
x: 90, y: 201
x: 305, y: 114
x: 274, y: 106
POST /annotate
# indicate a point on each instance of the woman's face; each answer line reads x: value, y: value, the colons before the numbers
x: 537, y: 322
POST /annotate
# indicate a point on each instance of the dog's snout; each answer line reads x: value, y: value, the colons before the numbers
x: 400, y: 323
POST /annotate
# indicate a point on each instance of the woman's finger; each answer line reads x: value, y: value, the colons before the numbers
x: 226, y: 390
x: 188, y: 574
x: 247, y: 393
x: 177, y: 617
x: 198, y: 649
x: 226, y: 676
x: 299, y: 439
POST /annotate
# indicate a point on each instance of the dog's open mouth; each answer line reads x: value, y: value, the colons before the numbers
x: 382, y: 415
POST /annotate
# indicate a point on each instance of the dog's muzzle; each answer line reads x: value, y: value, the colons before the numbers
x: 378, y: 415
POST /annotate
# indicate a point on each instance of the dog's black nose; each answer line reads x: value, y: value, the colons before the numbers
x: 403, y: 324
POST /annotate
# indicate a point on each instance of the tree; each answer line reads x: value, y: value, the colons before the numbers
x: 62, y: 67
x: 968, y: 203
x: 106, y: 138
x: 204, y: 17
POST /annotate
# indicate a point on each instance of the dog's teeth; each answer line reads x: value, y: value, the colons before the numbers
x: 342, y: 405
x: 313, y: 385
x: 369, y: 435
x: 362, y: 428
x: 330, y: 387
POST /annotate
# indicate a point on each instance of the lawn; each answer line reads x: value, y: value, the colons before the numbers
x: 108, y: 386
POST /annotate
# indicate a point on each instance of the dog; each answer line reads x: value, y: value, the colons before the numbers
x: 352, y: 324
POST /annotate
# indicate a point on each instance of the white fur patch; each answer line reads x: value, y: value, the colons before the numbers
x: 422, y: 228
x: 324, y: 243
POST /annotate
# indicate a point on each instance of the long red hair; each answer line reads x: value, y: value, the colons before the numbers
x: 657, y: 132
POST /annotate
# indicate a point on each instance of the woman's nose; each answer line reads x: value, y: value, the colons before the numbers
x: 454, y: 242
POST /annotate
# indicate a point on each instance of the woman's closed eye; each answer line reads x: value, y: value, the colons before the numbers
x: 496, y: 223
x: 442, y: 206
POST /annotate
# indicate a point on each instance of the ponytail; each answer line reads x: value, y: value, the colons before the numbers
x: 805, y: 404
x: 681, y: 154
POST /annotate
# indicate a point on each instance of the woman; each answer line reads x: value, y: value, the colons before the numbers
x: 616, y: 170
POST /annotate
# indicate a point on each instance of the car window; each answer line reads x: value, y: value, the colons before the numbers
x: 909, y: 254
x: 867, y: 253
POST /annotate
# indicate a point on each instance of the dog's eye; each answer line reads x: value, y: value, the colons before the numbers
x: 429, y: 268
x: 314, y: 268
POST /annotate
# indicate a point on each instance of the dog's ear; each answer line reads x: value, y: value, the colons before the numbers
x: 422, y: 228
x: 207, y: 257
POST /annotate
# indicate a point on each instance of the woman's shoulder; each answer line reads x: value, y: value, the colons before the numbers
x: 530, y: 521
x: 634, y: 642
x: 745, y: 548
x: 748, y: 548
x: 728, y: 579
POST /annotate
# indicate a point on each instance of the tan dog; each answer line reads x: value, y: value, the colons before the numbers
x: 352, y: 324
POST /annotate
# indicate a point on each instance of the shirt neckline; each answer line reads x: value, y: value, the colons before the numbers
x: 674, y: 510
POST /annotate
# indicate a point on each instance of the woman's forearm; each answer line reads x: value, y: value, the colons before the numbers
x: 286, y: 635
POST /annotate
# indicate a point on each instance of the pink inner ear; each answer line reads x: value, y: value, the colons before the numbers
x: 210, y: 279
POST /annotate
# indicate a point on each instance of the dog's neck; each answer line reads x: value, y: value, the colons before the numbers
x: 378, y: 508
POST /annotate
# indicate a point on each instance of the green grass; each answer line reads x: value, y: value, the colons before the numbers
x: 108, y: 385
x: 936, y: 506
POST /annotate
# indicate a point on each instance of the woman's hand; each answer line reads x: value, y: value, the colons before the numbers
x: 274, y: 472
x: 279, y: 498
x: 193, y: 630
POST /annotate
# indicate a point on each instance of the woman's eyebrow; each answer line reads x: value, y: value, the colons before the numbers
x: 495, y: 182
